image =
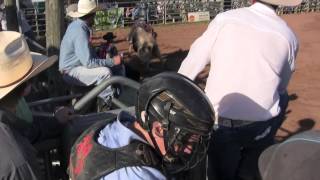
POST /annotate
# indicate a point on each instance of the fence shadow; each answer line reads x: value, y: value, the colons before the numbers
x: 168, y: 62
x: 304, y: 125
x: 293, y: 97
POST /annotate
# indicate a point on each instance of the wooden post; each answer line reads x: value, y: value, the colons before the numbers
x: 54, y: 25
x: 11, y: 15
x: 54, y: 32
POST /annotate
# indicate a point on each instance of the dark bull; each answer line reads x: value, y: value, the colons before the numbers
x: 144, y: 43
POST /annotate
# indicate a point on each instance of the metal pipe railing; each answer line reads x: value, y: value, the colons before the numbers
x: 98, y: 89
x: 118, y: 103
x: 53, y: 100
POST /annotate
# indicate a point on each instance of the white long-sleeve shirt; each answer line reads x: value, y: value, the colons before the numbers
x: 252, y: 53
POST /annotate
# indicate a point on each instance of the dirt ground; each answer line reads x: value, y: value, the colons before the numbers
x: 303, y: 111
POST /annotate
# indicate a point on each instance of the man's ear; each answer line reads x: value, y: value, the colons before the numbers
x: 157, y: 129
x: 144, y: 116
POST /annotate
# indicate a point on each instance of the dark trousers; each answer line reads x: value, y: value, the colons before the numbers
x: 234, y: 152
x: 196, y: 173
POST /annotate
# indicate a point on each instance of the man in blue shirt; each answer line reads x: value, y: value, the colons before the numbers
x: 170, y: 134
x: 76, y: 62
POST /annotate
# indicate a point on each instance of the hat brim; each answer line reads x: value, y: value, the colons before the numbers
x: 40, y: 63
x: 264, y: 160
x: 283, y: 2
x: 72, y: 11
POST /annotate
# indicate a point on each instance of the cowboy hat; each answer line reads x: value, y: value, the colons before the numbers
x: 84, y: 7
x: 109, y: 36
x: 283, y: 2
x: 17, y: 63
x: 296, y: 158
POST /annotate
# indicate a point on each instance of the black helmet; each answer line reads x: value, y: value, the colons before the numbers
x: 184, y: 112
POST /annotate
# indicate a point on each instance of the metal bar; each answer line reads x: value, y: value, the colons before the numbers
x: 47, y: 164
x: 165, y: 12
x: 95, y: 91
x: 19, y: 16
x: 35, y: 43
x: 118, y: 103
x: 11, y: 15
x: 55, y: 99
x: 43, y: 114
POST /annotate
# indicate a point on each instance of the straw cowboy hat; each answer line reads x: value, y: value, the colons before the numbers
x: 283, y: 2
x: 83, y: 8
x: 17, y: 63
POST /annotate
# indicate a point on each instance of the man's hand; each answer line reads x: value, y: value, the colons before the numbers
x: 117, y: 60
x: 64, y: 114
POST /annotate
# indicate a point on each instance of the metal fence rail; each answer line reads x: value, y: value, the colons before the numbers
x: 37, y: 20
x: 178, y: 11
x: 162, y: 11
x: 305, y: 7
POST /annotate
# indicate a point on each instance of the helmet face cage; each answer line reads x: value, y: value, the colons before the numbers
x: 185, y: 148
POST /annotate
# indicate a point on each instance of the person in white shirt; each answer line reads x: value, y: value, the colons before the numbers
x: 252, y: 53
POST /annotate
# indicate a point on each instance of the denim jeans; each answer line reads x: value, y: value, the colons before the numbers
x: 234, y: 151
x: 82, y: 76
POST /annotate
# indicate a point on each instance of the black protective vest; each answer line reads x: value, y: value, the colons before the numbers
x: 90, y: 160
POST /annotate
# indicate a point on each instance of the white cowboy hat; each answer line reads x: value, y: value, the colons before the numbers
x: 17, y: 63
x: 83, y: 8
x: 283, y: 2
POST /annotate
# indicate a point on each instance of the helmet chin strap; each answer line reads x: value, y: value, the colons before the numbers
x: 155, y: 144
x: 164, y: 124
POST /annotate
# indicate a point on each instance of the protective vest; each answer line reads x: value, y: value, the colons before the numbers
x: 91, y: 160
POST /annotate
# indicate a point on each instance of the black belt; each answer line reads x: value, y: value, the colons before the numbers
x: 233, y: 123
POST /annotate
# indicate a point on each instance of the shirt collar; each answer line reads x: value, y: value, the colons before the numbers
x: 263, y: 8
x: 82, y: 23
x: 123, y: 120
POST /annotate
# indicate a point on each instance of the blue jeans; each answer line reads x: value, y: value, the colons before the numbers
x: 82, y: 76
x: 234, y: 152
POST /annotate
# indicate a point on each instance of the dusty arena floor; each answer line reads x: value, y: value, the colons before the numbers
x: 304, y: 108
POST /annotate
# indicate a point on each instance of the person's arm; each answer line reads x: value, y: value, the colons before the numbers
x: 18, y: 157
x: 288, y: 67
x: 48, y: 128
x: 83, y: 52
x: 200, y: 51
